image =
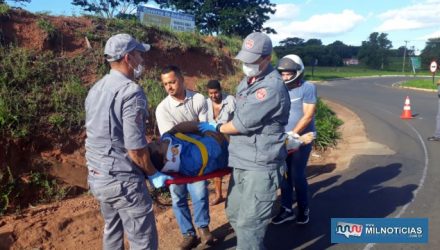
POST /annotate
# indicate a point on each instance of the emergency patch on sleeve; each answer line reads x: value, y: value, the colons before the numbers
x: 141, y: 103
x: 139, y: 118
x: 261, y: 94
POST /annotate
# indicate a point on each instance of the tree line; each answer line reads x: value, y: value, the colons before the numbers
x: 375, y: 52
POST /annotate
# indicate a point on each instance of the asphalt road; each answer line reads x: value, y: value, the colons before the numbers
x: 402, y: 185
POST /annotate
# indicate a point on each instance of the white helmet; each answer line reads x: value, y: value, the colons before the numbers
x: 292, y: 63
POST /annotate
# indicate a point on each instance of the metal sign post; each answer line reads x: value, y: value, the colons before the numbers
x: 315, y: 62
x: 433, y: 69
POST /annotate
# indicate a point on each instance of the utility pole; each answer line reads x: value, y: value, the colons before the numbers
x: 404, y: 55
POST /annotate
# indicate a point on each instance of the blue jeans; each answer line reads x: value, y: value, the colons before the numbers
x: 200, y: 201
x: 296, y: 177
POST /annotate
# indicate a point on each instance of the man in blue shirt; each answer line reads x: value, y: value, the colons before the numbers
x: 303, y: 100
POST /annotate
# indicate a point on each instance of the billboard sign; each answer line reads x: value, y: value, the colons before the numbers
x: 165, y: 18
x: 415, y: 62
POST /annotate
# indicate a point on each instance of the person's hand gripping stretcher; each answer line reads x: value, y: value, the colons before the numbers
x: 194, y: 155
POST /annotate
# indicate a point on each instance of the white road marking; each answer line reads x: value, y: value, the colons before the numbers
x: 422, y: 179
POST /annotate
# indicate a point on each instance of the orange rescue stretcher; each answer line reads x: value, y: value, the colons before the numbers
x: 183, y: 179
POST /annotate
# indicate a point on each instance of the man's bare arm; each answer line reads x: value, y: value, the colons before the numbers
x: 309, y: 111
x: 185, y: 127
x: 229, y: 129
x: 141, y: 157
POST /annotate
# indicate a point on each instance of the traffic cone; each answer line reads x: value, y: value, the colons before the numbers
x: 406, y: 114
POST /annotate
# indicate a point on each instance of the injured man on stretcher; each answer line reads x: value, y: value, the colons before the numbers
x: 185, y: 150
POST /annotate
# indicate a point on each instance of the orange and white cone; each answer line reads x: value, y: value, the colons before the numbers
x: 406, y: 114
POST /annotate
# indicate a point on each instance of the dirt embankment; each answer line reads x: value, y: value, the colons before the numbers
x: 77, y: 223
x: 62, y: 156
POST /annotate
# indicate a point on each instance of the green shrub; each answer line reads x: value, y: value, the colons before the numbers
x: 49, y: 28
x: 7, y: 183
x: 35, y: 85
x: 233, y: 43
x: 68, y: 101
x: 56, y: 120
x: 155, y: 93
x: 153, y: 88
x: 4, y: 9
x: 326, y: 127
x: 49, y: 189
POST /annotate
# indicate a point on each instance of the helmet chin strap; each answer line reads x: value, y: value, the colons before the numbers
x: 293, y: 83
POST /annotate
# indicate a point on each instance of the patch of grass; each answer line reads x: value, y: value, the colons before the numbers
x: 129, y: 26
x: 155, y: 93
x: 43, y: 13
x: 68, y: 103
x: 326, y: 127
x: 421, y: 83
x: 56, y: 120
x: 230, y: 83
x: 7, y: 183
x: 200, y: 86
x: 153, y: 87
x: 33, y: 86
x: 327, y: 73
x: 49, y: 28
x: 232, y: 43
x: 13, y: 190
x: 4, y: 9
x: 49, y: 189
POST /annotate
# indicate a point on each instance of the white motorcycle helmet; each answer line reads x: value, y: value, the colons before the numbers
x: 292, y: 63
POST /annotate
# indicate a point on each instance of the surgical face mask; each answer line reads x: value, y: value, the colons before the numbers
x: 250, y: 69
x: 137, y: 72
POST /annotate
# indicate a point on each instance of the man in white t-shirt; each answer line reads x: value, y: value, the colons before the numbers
x: 180, y: 106
x: 221, y: 107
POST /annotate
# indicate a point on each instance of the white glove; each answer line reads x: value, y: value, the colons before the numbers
x: 292, y: 143
x: 293, y: 134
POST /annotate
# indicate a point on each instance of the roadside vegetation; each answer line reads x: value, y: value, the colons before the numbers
x: 328, y: 73
x: 421, y: 83
x: 327, y: 125
x: 42, y: 97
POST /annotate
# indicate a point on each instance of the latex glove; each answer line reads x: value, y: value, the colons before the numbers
x: 293, y: 134
x: 292, y: 144
x: 158, y: 179
x: 207, y: 126
x: 308, y: 137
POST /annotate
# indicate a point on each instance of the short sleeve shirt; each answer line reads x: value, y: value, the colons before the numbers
x: 171, y: 112
x: 303, y: 94
x: 261, y: 114
x: 116, y: 113
x: 226, y: 111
